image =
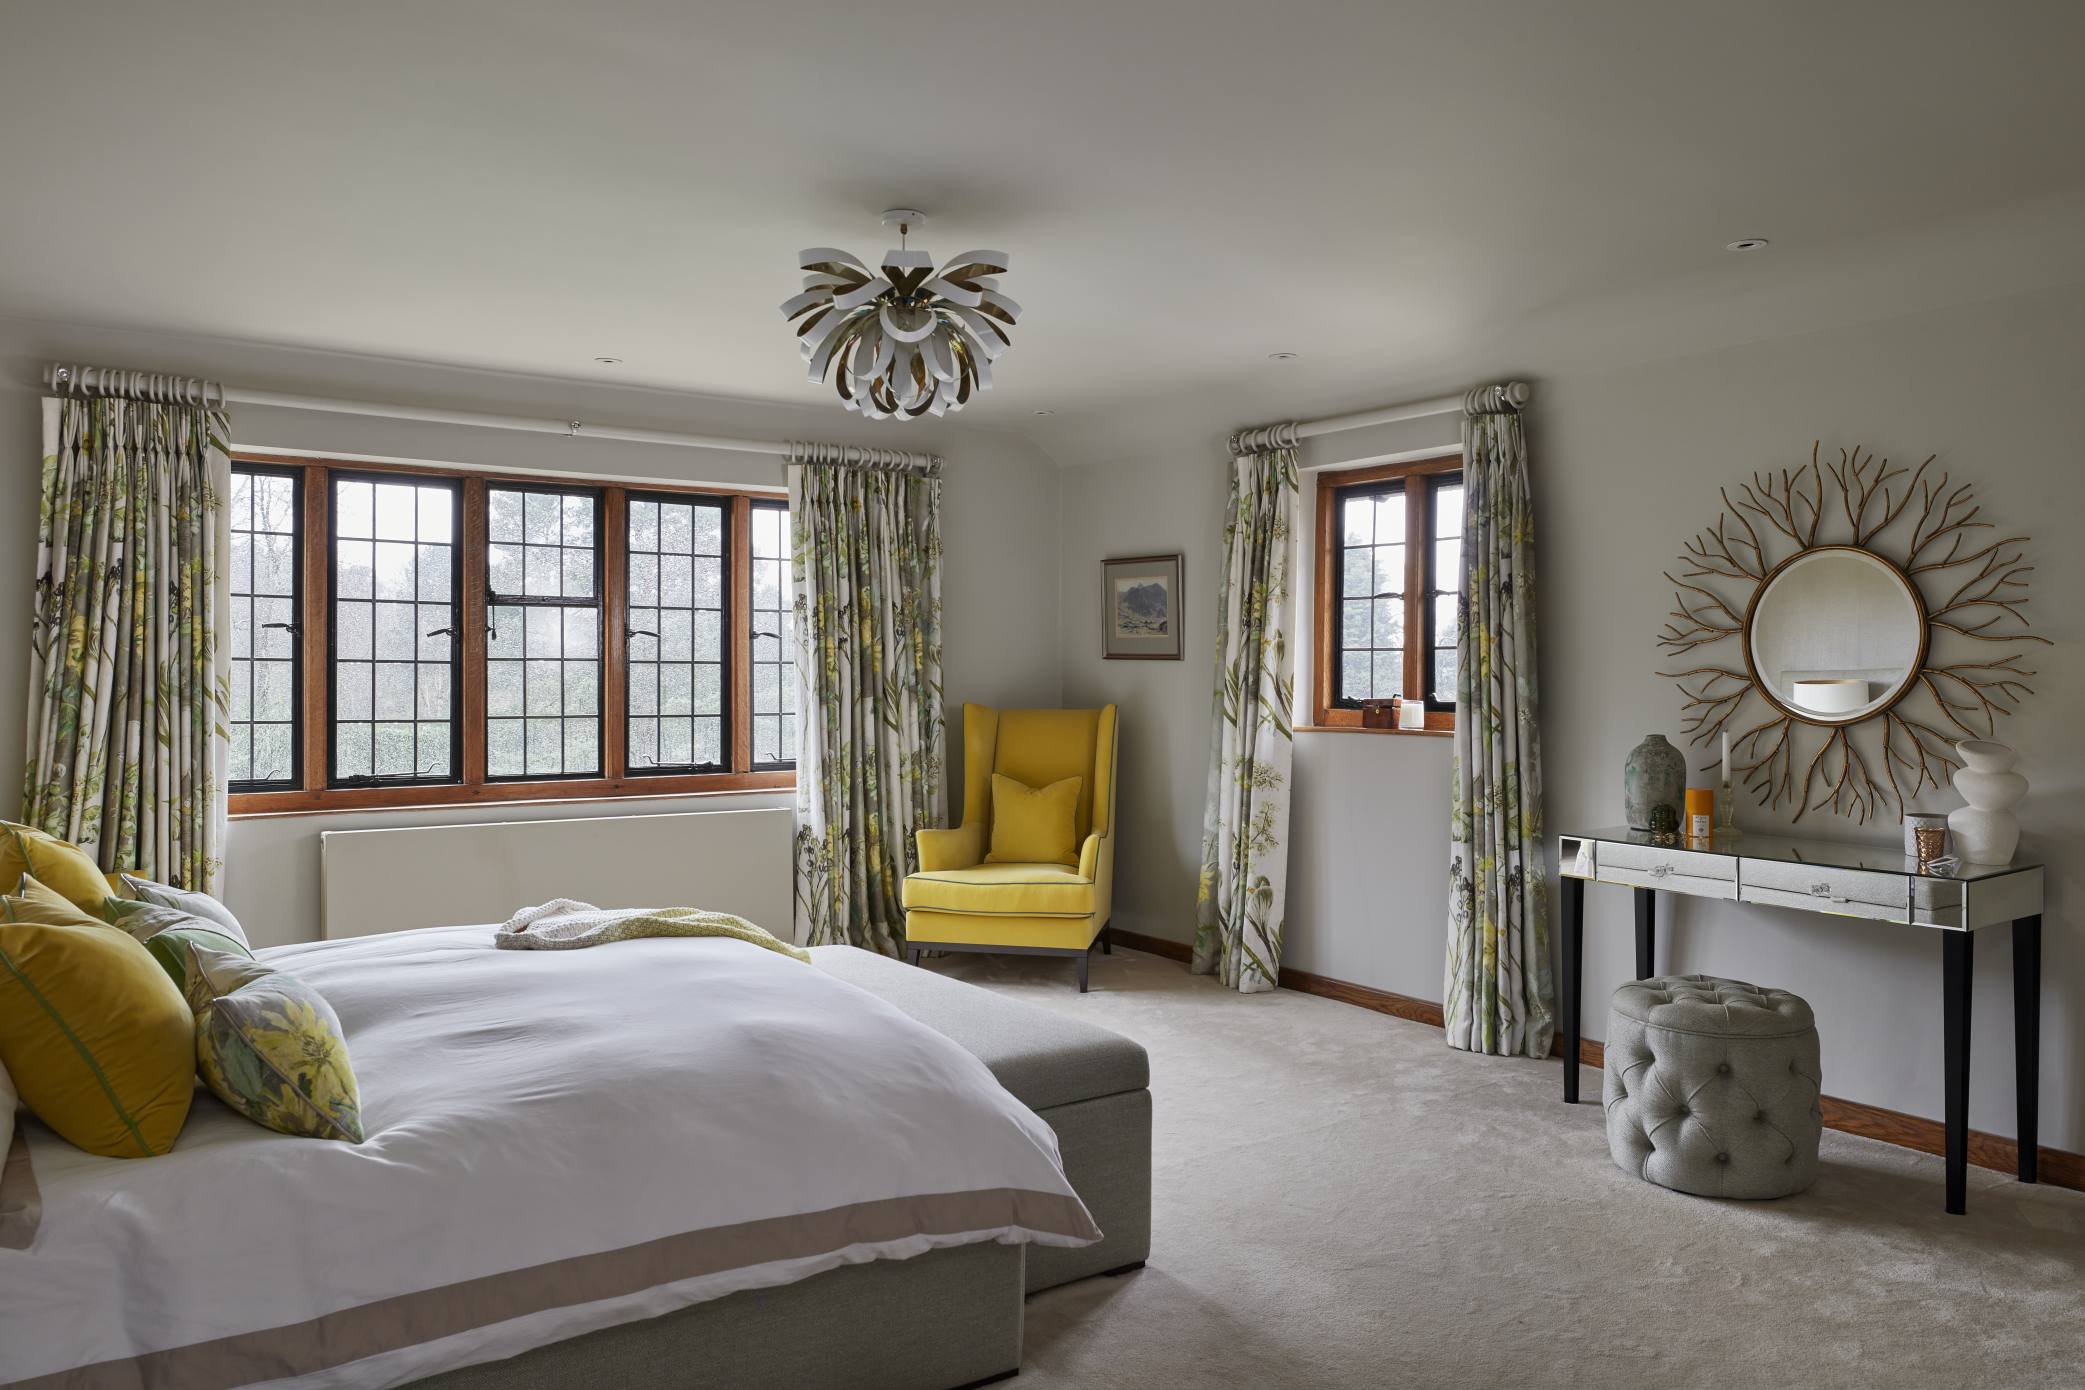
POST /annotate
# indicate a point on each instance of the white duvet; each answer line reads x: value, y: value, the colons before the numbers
x: 633, y: 1128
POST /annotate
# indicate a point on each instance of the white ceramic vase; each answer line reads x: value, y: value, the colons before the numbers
x: 1986, y: 831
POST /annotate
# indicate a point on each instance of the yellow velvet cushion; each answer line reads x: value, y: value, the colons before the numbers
x: 1034, y: 825
x: 1035, y: 889
x: 97, y: 1038
x: 51, y: 862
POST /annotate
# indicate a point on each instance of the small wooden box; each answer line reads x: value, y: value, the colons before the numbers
x: 1379, y: 714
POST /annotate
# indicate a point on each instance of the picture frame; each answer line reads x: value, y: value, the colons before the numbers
x: 1142, y: 603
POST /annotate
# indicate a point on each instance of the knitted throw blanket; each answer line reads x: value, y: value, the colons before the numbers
x: 564, y: 925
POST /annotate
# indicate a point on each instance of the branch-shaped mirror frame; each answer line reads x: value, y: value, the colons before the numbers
x: 1971, y: 590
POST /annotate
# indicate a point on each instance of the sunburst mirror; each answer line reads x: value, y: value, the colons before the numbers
x: 1862, y: 595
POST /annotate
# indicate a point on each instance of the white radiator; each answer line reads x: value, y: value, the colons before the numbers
x: 447, y: 875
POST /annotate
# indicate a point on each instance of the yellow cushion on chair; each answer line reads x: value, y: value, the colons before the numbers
x: 1033, y: 825
x: 1003, y: 890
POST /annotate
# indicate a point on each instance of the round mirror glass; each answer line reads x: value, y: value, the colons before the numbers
x: 1835, y: 635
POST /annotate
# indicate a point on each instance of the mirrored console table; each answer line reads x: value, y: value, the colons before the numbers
x: 1840, y: 880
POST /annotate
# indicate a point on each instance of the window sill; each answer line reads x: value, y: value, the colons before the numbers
x: 1357, y: 729
x: 276, y: 805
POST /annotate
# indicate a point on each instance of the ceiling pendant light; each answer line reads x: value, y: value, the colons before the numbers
x: 902, y: 341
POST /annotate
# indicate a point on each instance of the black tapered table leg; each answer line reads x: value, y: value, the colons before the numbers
x: 1574, y: 933
x: 1646, y: 933
x: 2027, y: 1041
x: 1957, y: 967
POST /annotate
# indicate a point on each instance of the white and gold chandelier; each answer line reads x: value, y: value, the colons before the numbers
x: 902, y: 341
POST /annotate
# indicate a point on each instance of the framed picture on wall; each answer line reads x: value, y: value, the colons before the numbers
x: 1140, y: 608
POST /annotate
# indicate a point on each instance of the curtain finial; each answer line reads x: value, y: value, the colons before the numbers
x: 1258, y: 441
x: 1500, y: 399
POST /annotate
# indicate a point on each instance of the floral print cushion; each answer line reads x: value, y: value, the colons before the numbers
x: 168, y: 931
x: 270, y: 1046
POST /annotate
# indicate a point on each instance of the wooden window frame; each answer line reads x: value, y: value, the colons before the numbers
x: 598, y: 600
x: 1420, y: 477
x: 315, y: 694
x: 745, y: 685
x: 269, y: 469
x: 319, y: 695
x: 735, y: 657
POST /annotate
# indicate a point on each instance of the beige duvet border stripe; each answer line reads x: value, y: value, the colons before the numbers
x: 413, y: 1319
x: 21, y: 1205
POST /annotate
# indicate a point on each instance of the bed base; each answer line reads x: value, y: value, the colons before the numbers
x: 949, y: 1318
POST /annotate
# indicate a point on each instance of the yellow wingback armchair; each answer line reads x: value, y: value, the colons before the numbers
x: 959, y: 902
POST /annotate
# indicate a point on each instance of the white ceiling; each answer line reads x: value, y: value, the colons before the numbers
x: 1412, y: 196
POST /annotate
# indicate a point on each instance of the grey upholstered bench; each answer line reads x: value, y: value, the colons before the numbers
x: 1089, y: 1085
x: 1711, y: 1087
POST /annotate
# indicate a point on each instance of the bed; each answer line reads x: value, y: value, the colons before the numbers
x: 657, y: 1162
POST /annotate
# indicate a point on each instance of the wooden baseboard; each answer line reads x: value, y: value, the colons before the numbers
x: 1381, y: 1000
x: 2059, y: 1167
x: 1152, y: 945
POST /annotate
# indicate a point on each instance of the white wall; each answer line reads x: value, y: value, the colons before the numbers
x: 999, y: 598
x: 1627, y: 465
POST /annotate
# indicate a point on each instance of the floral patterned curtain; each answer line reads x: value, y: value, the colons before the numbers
x: 866, y: 551
x: 128, y: 684
x: 1499, y: 994
x: 1245, y: 826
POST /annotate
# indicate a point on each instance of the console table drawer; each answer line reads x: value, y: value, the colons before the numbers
x: 1821, y: 888
x: 1677, y: 870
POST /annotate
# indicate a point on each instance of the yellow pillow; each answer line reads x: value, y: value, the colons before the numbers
x: 98, y: 1040
x: 51, y: 861
x: 1034, y: 826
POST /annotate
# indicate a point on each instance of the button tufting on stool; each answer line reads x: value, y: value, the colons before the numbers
x: 1745, y: 1058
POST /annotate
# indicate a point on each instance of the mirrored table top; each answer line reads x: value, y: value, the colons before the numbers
x: 1794, y: 849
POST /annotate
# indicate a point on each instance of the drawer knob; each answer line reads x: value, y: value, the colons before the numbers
x: 1660, y: 870
x: 1824, y: 890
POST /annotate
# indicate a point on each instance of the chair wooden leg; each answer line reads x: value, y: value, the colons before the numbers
x: 1082, y: 974
x: 913, y: 954
x: 1107, y: 941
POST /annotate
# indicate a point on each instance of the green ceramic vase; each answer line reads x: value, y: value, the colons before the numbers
x: 1654, y: 775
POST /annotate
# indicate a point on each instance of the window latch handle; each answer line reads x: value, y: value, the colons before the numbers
x: 291, y: 628
x: 640, y: 632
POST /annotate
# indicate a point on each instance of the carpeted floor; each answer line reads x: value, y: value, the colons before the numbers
x: 1341, y: 1200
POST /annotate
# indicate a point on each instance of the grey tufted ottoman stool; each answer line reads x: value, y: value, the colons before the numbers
x: 1712, y: 1086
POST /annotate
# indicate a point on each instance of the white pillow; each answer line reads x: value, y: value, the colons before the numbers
x: 194, y: 904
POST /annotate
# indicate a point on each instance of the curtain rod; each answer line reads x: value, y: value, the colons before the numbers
x: 1484, y: 400
x: 73, y: 380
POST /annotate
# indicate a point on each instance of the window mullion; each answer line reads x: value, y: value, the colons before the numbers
x: 315, y: 614
x: 615, y: 639
x: 738, y: 633
x: 473, y: 617
x: 1418, y: 635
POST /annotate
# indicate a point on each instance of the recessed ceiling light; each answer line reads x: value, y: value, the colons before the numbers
x: 1043, y: 412
x: 609, y: 361
x: 1281, y: 356
x: 1750, y: 243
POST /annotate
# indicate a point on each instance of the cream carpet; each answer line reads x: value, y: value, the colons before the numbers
x: 1341, y: 1200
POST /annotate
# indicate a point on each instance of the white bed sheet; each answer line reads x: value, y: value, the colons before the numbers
x: 555, y: 1112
